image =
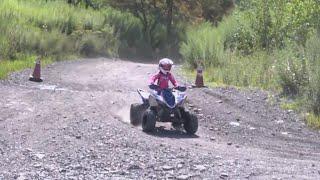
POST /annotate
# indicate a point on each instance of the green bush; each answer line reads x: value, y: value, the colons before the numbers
x: 299, y: 73
x: 241, y: 36
x: 313, y: 120
x: 68, y: 26
x: 203, y: 46
x: 292, y: 73
x: 268, y: 44
x: 313, y: 66
x: 228, y: 53
x: 54, y: 28
x: 207, y: 44
x: 255, y: 70
x: 88, y: 47
x: 133, y: 41
x: 88, y: 25
x: 264, y: 37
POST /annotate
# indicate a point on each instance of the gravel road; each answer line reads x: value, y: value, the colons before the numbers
x: 75, y: 125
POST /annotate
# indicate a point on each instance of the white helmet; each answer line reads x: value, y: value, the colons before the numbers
x: 165, y: 65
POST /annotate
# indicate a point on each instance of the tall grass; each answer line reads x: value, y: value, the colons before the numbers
x: 203, y: 46
x: 313, y: 71
x: 313, y: 120
x: 256, y: 70
x: 55, y: 28
x: 291, y: 70
x: 230, y: 54
x: 206, y: 44
x: 225, y: 53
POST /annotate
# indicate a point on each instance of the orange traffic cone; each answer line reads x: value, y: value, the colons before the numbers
x: 36, y: 76
x: 199, y: 79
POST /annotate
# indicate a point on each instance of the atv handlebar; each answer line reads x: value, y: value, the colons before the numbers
x: 153, y: 86
x: 179, y: 88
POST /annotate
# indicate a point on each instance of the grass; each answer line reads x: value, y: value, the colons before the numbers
x: 215, y: 48
x: 292, y: 105
x: 232, y: 54
x: 313, y: 120
x: 57, y: 30
x: 256, y: 70
x: 202, y: 46
x: 6, y: 67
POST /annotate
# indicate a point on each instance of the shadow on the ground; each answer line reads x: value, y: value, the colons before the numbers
x: 171, y: 133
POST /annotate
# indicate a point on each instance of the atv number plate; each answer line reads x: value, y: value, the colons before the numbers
x: 172, y: 115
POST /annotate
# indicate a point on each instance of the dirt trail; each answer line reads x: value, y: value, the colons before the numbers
x: 74, y: 125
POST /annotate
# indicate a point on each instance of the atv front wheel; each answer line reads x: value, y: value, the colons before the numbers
x: 136, y: 112
x: 191, y: 122
x: 149, y: 121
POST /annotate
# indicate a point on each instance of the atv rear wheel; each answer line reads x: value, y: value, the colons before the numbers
x: 149, y: 121
x: 191, y: 122
x: 136, y: 113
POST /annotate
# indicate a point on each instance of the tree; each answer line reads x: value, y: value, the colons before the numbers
x: 214, y: 10
x: 154, y: 13
x: 148, y: 12
x: 87, y: 3
x: 169, y: 16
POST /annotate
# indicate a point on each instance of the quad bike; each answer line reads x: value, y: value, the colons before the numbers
x: 164, y: 106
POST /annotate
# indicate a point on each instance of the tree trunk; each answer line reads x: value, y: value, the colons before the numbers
x: 169, y: 17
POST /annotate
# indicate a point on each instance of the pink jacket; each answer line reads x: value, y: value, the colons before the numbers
x: 163, y: 80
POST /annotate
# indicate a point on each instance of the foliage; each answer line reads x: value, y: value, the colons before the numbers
x: 214, y: 10
x: 299, y: 73
x: 155, y: 16
x: 292, y: 105
x: 53, y: 28
x: 269, y: 44
x: 313, y: 120
x: 203, y: 46
x: 277, y: 22
x: 313, y: 70
x: 292, y: 74
x: 162, y: 19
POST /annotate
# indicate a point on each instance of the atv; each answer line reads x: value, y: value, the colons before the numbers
x: 164, y: 106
